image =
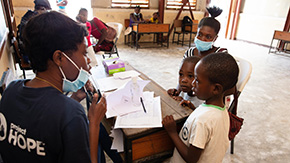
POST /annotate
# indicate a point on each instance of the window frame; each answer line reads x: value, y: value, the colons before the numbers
x: 179, y: 4
x: 144, y: 4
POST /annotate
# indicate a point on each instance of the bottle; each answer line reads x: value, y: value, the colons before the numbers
x: 135, y: 92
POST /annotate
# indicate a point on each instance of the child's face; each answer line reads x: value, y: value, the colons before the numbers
x: 201, y: 85
x: 137, y: 10
x: 83, y: 16
x: 206, y: 33
x: 155, y: 16
x: 186, y: 76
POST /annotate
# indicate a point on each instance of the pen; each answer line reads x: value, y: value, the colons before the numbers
x: 142, y: 104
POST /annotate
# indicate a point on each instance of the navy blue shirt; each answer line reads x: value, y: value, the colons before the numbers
x: 42, y: 125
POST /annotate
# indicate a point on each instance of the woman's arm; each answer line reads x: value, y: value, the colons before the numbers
x: 95, y: 115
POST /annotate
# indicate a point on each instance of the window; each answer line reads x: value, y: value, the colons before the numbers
x: 176, y: 4
x: 130, y: 3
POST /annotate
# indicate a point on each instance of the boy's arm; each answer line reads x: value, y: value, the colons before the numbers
x: 189, y: 154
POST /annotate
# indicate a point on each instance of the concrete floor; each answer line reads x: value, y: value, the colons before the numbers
x: 263, y: 103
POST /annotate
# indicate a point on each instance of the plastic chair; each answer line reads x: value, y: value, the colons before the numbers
x: 245, y: 68
x: 118, y: 27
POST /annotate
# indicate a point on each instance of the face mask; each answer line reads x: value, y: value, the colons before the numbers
x: 136, y: 14
x: 73, y: 86
x: 202, y: 45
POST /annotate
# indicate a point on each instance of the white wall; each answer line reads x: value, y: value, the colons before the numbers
x: 259, y: 19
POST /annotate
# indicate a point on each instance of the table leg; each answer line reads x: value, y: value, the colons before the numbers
x: 128, y: 149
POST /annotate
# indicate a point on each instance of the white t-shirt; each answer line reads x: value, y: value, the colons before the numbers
x: 206, y: 128
x: 193, y: 99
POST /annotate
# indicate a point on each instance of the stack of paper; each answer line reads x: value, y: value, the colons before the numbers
x: 141, y: 119
x: 118, y: 140
x: 119, y: 102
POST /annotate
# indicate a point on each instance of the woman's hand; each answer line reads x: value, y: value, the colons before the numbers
x: 97, y: 110
x: 80, y: 94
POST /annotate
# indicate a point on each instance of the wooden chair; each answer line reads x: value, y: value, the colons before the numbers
x: 127, y: 37
x: 283, y: 37
x: 19, y: 57
x: 245, y: 68
x: 190, y: 29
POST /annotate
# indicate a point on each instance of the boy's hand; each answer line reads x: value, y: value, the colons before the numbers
x: 173, y: 92
x: 169, y: 124
x: 187, y: 103
x: 97, y: 110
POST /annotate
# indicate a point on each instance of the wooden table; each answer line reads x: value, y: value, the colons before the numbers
x: 144, y: 144
x: 150, y: 29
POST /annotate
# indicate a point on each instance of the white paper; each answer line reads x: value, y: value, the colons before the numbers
x: 118, y: 142
x: 126, y: 74
x: 110, y: 83
x: 140, y: 119
x: 119, y: 102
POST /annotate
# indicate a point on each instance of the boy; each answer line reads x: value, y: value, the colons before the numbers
x: 82, y: 18
x: 186, y: 76
x: 204, y: 135
x: 155, y: 19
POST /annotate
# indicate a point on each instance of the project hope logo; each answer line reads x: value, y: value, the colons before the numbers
x: 3, y: 127
x: 17, y: 137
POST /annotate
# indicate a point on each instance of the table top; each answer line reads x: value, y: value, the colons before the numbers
x: 151, y: 28
x: 168, y: 105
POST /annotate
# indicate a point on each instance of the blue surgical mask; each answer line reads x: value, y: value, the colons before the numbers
x: 202, y: 45
x: 81, y: 80
x: 136, y: 14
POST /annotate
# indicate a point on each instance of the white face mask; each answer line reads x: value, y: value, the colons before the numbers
x: 81, y: 80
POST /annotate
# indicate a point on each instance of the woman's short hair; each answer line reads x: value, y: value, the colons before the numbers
x: 48, y: 32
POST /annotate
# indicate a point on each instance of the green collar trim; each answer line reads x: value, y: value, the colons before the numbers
x: 214, y: 106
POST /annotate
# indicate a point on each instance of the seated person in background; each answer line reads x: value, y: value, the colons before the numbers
x: 40, y: 6
x: 186, y: 76
x: 155, y: 19
x: 204, y: 135
x: 44, y: 124
x: 82, y: 18
x: 136, y: 17
x: 99, y: 31
x: 207, y: 33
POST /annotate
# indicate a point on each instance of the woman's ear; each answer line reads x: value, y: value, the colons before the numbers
x: 57, y: 57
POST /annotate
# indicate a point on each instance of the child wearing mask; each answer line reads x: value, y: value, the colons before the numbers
x: 186, y: 76
x: 204, y: 136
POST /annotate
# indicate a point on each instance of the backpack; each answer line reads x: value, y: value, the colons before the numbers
x: 111, y: 31
x: 186, y: 21
x: 28, y: 15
